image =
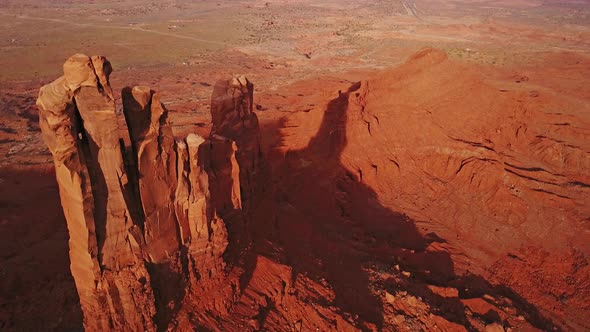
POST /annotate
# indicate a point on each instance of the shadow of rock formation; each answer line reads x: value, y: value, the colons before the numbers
x: 34, y: 263
x: 320, y: 221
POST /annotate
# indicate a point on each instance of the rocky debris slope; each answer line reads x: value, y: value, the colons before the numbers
x: 147, y: 222
x: 453, y: 197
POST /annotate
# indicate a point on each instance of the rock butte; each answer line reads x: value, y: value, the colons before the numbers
x: 148, y: 218
x: 194, y: 233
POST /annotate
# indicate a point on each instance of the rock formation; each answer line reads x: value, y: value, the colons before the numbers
x: 146, y: 222
x: 233, y: 118
x: 78, y: 122
x: 383, y: 212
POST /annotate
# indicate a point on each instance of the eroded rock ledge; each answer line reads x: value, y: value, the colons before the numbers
x: 148, y: 223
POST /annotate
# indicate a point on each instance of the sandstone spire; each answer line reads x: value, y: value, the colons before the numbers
x: 233, y: 118
x: 78, y: 123
x: 147, y: 233
x: 154, y: 151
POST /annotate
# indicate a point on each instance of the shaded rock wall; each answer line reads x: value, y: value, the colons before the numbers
x: 233, y: 118
x: 147, y: 223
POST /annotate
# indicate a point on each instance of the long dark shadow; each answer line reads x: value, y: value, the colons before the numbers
x: 329, y: 225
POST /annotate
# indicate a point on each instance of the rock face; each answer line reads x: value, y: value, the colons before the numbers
x: 233, y: 118
x: 155, y: 156
x: 105, y: 245
x: 146, y: 222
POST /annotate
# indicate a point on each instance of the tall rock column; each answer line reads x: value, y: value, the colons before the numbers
x: 154, y: 147
x: 233, y: 118
x: 60, y: 128
x: 78, y: 123
x: 208, y: 229
x: 96, y: 107
x: 170, y: 223
x: 208, y: 183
